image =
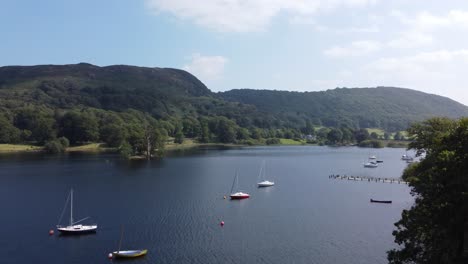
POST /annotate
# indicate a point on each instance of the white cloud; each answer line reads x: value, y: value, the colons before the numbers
x: 206, y: 68
x: 440, y: 72
x: 357, y: 48
x: 244, y: 15
x: 422, y: 28
x: 411, y: 39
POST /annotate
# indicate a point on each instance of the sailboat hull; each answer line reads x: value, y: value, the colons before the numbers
x: 130, y: 253
x: 265, y: 184
x: 239, y: 196
x: 77, y: 229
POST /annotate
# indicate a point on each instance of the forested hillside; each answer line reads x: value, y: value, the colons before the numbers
x: 136, y: 108
x: 389, y: 108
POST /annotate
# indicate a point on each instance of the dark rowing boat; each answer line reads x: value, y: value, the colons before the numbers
x: 378, y: 201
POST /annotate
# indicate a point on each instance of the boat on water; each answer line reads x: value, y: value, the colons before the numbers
x: 74, y: 228
x: 239, y: 194
x: 380, y: 201
x: 263, y: 182
x: 130, y: 253
x: 266, y: 184
x: 379, y: 161
x: 371, y: 165
x: 134, y: 253
x: 406, y: 157
x: 372, y: 157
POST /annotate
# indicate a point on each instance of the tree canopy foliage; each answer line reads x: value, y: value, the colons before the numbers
x: 435, y: 229
x: 389, y: 108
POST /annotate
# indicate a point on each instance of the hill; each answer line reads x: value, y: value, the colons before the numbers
x: 389, y: 108
x: 136, y: 108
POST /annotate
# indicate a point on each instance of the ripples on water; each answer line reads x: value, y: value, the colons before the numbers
x: 173, y: 207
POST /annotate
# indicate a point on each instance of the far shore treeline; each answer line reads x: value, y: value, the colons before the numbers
x: 132, y: 132
x: 137, y: 110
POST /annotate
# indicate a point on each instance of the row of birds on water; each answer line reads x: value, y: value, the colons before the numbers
x: 365, y: 178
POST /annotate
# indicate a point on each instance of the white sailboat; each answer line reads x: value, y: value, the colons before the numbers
x: 263, y: 182
x: 74, y: 227
x: 371, y: 164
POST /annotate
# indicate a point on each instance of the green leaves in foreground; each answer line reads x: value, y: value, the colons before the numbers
x: 435, y: 229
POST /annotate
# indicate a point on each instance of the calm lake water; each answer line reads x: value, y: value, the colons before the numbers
x: 173, y: 207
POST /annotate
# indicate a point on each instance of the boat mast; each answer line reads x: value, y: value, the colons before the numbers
x: 121, y: 237
x: 260, y: 175
x: 71, y: 207
x: 234, y: 182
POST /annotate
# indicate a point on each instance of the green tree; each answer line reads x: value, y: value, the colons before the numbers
x: 386, y: 136
x: 374, y: 135
x: 80, y: 127
x: 243, y: 133
x: 398, y: 136
x: 434, y: 230
x: 361, y: 135
x: 38, y: 122
x: 226, y: 130
x: 112, y: 130
x: 8, y: 132
x: 179, y: 136
x: 205, y: 134
x: 335, y: 136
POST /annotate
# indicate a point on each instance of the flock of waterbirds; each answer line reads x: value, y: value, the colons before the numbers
x: 74, y: 228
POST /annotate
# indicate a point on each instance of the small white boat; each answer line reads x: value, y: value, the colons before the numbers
x: 263, y: 182
x: 372, y: 157
x: 370, y: 165
x: 406, y: 157
x: 73, y: 228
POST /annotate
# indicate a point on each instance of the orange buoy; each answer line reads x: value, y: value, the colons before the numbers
x: 222, y: 223
x: 51, y: 232
x: 109, y: 256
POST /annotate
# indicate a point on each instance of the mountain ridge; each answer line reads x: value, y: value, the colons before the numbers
x: 173, y: 93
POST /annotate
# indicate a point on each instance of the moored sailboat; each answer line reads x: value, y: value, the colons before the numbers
x: 263, y: 182
x: 134, y: 253
x: 239, y: 194
x: 73, y: 227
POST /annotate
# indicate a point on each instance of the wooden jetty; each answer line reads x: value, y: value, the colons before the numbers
x: 367, y: 179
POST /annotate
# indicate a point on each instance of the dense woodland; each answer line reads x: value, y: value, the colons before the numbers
x: 136, y: 110
x: 435, y: 228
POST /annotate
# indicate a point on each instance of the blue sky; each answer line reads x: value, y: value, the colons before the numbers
x: 300, y: 45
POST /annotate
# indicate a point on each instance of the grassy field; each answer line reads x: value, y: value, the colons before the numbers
x: 188, y: 143
x: 286, y: 141
x: 10, y: 148
x: 379, y: 131
x: 92, y: 148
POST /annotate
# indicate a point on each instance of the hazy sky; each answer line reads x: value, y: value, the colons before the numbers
x: 301, y: 45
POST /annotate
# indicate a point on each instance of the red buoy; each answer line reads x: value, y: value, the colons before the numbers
x: 109, y: 256
x: 51, y: 232
x: 222, y: 223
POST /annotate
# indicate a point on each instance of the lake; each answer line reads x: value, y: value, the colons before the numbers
x: 173, y: 206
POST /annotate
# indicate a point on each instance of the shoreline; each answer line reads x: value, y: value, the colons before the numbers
x: 189, y: 144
